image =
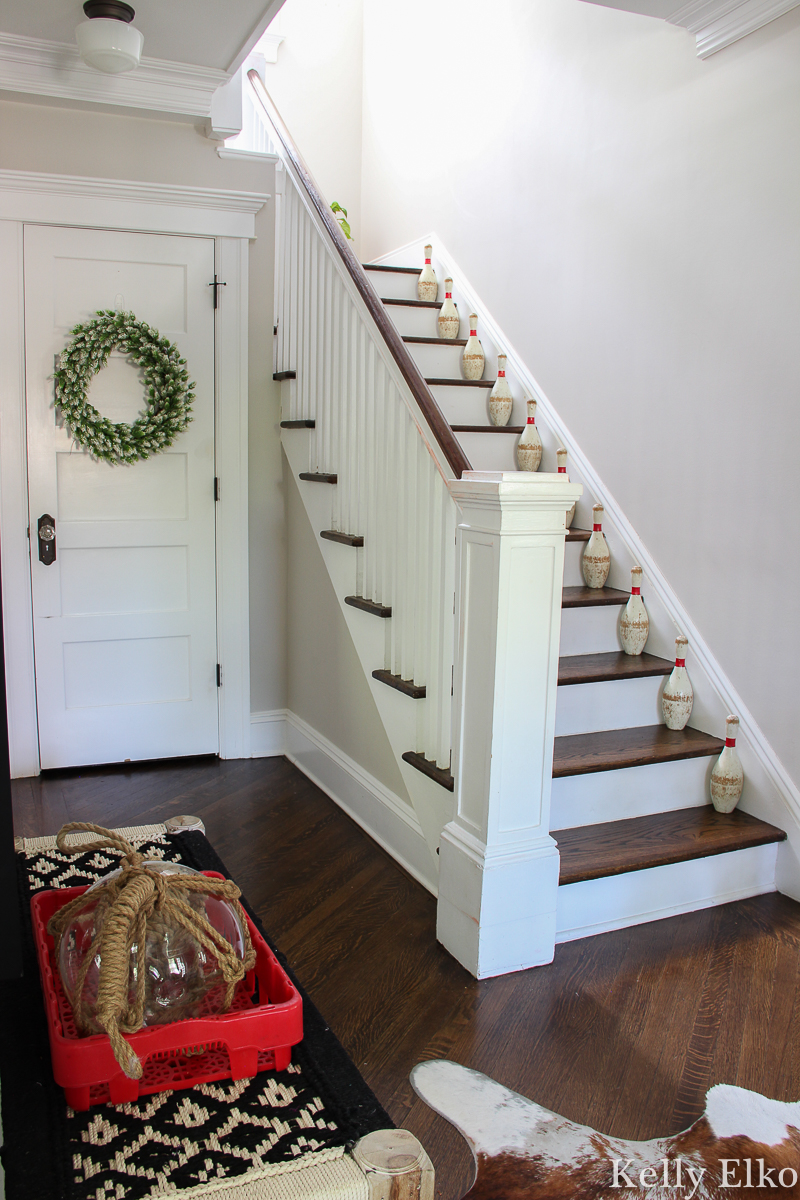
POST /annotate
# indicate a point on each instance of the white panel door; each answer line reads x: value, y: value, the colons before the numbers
x: 125, y: 618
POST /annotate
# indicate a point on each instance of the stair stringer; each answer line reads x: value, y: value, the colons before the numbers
x: 432, y: 804
x: 769, y: 793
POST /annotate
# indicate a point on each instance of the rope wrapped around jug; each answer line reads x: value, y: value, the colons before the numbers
x: 128, y: 901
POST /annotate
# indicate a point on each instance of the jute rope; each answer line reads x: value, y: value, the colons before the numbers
x: 127, y: 906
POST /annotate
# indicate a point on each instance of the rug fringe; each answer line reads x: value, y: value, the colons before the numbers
x: 133, y: 833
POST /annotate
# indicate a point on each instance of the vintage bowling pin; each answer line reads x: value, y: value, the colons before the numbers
x: 678, y: 697
x: 472, y: 356
x: 529, y: 446
x: 634, y: 623
x: 500, y: 399
x: 596, y: 560
x: 449, y: 320
x: 427, y: 284
x: 561, y: 455
x: 727, y: 777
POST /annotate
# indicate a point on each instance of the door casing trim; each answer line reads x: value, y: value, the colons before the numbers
x: 139, y: 214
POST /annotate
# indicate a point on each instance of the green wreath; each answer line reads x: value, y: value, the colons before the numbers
x: 167, y: 388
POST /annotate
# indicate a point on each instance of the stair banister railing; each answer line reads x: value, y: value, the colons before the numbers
x: 378, y: 429
x: 470, y: 564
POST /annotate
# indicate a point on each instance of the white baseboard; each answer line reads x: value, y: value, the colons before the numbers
x: 268, y: 733
x: 379, y: 812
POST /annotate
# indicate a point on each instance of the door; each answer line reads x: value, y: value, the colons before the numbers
x: 125, y: 617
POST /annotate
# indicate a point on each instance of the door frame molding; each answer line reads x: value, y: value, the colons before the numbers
x: 229, y: 218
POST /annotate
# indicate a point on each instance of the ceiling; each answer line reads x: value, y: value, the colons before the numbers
x: 205, y: 33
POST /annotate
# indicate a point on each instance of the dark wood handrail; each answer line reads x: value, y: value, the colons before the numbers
x: 410, y: 371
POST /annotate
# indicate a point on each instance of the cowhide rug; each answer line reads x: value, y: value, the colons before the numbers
x: 743, y: 1146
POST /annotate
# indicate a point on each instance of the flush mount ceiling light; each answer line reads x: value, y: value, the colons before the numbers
x: 107, y: 41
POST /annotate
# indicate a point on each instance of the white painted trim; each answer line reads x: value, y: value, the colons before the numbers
x: 231, y: 418
x: 268, y: 732
x: 23, y: 728
x: 746, y: 18
x: 715, y: 23
x: 225, y: 152
x: 730, y: 701
x: 78, y: 200
x: 41, y: 67
x: 269, y: 45
x: 379, y: 812
x: 636, y: 897
x: 233, y: 566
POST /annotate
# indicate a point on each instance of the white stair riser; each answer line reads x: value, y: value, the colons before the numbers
x: 629, y: 792
x: 416, y: 322
x: 589, y: 630
x: 490, y: 451
x: 436, y: 362
x: 613, y: 704
x: 573, y: 554
x: 397, y: 285
x: 618, y: 901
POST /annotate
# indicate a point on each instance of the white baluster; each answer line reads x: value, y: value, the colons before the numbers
x: 369, y: 469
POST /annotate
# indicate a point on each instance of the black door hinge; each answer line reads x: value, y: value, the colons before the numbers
x: 217, y: 284
x: 219, y: 675
x: 216, y: 488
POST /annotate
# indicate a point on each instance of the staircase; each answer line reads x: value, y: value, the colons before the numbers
x: 397, y: 465
x: 629, y: 808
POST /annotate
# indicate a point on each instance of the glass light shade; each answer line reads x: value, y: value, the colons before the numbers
x: 108, y: 45
x: 182, y: 977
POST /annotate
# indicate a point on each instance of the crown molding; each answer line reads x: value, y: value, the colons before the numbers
x: 43, y: 68
x: 714, y: 23
x: 724, y: 24
x: 128, y: 204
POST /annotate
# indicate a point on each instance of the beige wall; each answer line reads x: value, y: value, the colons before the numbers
x: 74, y: 141
x: 327, y: 685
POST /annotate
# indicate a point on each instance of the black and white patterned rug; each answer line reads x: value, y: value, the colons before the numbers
x: 189, y: 1142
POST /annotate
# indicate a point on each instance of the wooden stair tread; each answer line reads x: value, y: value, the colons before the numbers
x: 616, y: 847
x: 279, y: 376
x: 481, y: 383
x: 486, y: 428
x: 429, y: 341
x: 346, y: 539
x: 412, y: 303
x: 298, y: 424
x: 579, y: 535
x: 416, y: 691
x: 615, y: 664
x: 586, y: 597
x: 429, y: 768
x: 612, y: 749
x: 318, y: 477
x: 392, y: 270
x: 369, y: 606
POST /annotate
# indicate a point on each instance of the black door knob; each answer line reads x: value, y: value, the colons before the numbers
x: 47, y: 539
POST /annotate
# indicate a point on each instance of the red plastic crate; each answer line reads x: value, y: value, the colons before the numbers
x: 257, y: 1034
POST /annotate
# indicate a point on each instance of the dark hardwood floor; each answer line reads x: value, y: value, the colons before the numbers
x: 624, y: 1032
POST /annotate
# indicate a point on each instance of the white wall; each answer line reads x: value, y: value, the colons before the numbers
x: 316, y: 87
x: 327, y: 686
x: 74, y: 141
x: 629, y: 214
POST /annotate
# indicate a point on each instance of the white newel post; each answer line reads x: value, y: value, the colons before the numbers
x: 498, y: 869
